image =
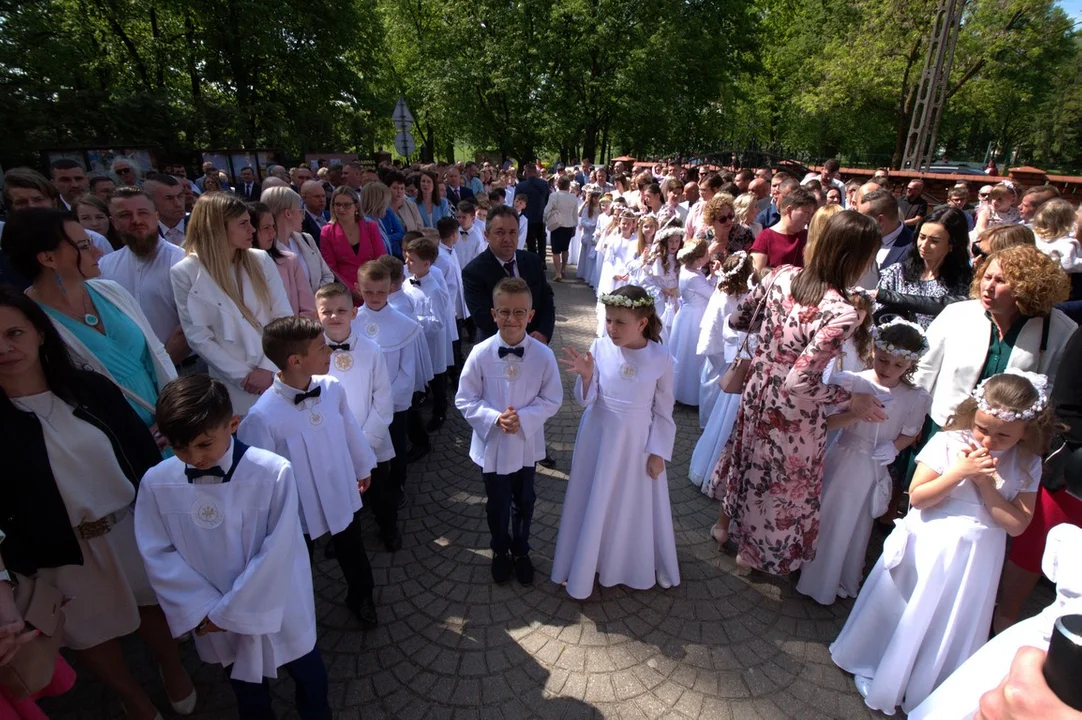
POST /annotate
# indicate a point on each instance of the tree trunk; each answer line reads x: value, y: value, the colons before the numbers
x: 242, y: 78
x: 196, y: 81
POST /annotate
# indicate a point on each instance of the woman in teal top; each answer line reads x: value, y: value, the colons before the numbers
x: 99, y: 321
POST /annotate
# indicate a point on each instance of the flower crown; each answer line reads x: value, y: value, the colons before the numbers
x: 724, y: 275
x: 668, y: 232
x: 625, y: 302
x: 689, y: 248
x: 1039, y: 383
x: 892, y: 349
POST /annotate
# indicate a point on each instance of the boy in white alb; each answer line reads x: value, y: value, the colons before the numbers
x: 471, y: 240
x: 509, y: 387
x: 358, y: 364
x: 305, y: 417
x: 397, y: 337
x: 220, y: 535
x: 523, y: 223
x: 420, y: 254
x: 452, y: 273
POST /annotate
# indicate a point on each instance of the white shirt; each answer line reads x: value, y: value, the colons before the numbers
x: 147, y: 279
x: 174, y: 235
x: 452, y: 274
x: 231, y: 552
x: 324, y: 442
x: 362, y: 372
x: 490, y: 384
x: 396, y: 334
x: 435, y: 302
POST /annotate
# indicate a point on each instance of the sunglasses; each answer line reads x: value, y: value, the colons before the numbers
x: 726, y: 218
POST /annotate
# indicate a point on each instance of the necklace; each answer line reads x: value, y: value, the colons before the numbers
x: 46, y: 416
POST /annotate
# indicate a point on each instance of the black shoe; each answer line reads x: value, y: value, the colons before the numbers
x: 501, y: 567
x: 417, y: 452
x: 393, y: 543
x: 524, y: 570
x: 435, y: 423
x: 329, y: 553
x: 547, y: 462
x: 364, y: 610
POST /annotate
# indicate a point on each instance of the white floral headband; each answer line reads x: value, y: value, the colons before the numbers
x: 892, y: 349
x: 724, y: 275
x: 688, y: 250
x: 1039, y: 383
x: 625, y: 302
x: 668, y: 233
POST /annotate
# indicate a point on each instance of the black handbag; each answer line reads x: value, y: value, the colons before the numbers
x: 1063, y: 467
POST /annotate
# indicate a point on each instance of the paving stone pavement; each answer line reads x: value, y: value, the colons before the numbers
x: 452, y: 645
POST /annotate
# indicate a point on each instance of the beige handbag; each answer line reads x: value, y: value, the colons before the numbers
x: 736, y: 375
x: 32, y: 668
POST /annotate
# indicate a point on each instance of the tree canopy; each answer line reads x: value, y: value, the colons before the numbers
x: 525, y: 78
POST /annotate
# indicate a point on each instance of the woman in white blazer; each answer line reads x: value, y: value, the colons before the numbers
x: 99, y: 321
x: 288, y: 210
x: 222, y: 318
x: 561, y: 218
x: 1010, y: 323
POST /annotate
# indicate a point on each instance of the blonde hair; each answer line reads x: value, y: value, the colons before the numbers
x: 278, y: 199
x: 815, y: 228
x: 375, y: 199
x: 207, y: 240
x: 1054, y: 219
x: 743, y: 205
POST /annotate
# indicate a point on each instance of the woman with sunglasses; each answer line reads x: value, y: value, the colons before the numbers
x: 720, y: 228
x: 99, y: 321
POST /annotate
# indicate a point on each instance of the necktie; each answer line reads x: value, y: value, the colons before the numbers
x: 509, y: 268
x: 505, y: 351
x: 194, y: 473
x: 343, y: 346
x: 301, y: 397
x: 248, y: 189
x: 415, y: 281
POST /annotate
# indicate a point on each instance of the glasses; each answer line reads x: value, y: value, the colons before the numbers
x: 343, y: 206
x: 507, y: 314
x: 123, y: 170
x: 726, y: 218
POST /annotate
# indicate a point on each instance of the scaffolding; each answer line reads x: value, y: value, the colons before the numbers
x: 920, y: 143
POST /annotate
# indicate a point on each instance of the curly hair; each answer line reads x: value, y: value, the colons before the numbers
x: 1014, y: 393
x: 1038, y: 282
x: 652, y: 331
x: 713, y: 208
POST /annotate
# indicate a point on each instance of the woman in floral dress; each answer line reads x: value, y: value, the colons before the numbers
x: 770, y: 476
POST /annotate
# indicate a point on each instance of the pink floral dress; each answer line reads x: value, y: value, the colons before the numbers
x: 771, y: 473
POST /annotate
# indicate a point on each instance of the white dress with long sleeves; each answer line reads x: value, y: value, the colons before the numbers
x: 324, y: 443
x: 587, y: 253
x: 695, y: 292
x: 926, y: 606
x: 655, y: 279
x: 711, y: 348
x: 711, y: 444
x: 232, y: 552
x: 490, y: 384
x: 616, y: 520
x: 958, y: 697
x: 601, y: 243
x: 218, y: 332
x: 849, y: 477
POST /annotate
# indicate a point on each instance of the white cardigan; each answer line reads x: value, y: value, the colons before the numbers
x: 216, y: 329
x: 319, y: 273
x: 958, y: 342
x: 123, y: 301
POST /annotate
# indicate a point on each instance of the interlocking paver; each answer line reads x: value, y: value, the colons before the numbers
x: 452, y: 645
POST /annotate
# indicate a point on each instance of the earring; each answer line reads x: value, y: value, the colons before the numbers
x: 60, y: 282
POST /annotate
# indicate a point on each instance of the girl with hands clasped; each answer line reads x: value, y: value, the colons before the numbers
x: 616, y: 520
x: 927, y: 604
x: 856, y: 485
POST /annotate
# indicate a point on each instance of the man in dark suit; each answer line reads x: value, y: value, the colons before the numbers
x: 456, y: 191
x: 881, y: 206
x: 315, y: 201
x: 248, y: 188
x: 502, y: 259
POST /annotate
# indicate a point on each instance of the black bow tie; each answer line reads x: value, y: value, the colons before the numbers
x: 194, y: 473
x: 343, y: 346
x: 414, y: 281
x: 313, y: 393
x: 463, y: 232
x: 505, y: 351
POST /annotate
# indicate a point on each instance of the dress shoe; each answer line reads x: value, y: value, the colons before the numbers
x: 547, y: 462
x: 524, y: 570
x: 364, y: 610
x: 417, y: 452
x: 393, y: 543
x: 435, y: 423
x: 501, y: 567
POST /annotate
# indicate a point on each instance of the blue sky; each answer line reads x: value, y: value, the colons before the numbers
x: 1073, y: 8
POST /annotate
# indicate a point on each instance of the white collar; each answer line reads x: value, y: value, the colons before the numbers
x: 165, y: 228
x: 289, y: 392
x: 351, y: 341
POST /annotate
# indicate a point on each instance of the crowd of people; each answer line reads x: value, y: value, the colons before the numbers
x: 245, y: 365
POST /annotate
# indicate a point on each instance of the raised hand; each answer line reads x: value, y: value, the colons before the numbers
x: 580, y: 364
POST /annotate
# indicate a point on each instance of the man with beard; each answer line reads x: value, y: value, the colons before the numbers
x: 142, y: 268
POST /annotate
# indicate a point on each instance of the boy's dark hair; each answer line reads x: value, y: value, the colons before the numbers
x: 466, y: 207
x: 798, y: 198
x: 190, y: 406
x: 423, y: 248
x: 512, y: 286
x: 501, y: 211
x: 410, y: 236
x: 393, y: 266
x: 497, y: 195
x: 373, y: 272
x: 288, y: 336
x: 446, y: 227
x: 522, y: 197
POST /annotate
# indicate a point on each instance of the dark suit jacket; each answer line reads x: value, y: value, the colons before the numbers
x: 899, y: 249
x: 311, y: 227
x: 257, y: 188
x: 464, y: 193
x: 484, y: 272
